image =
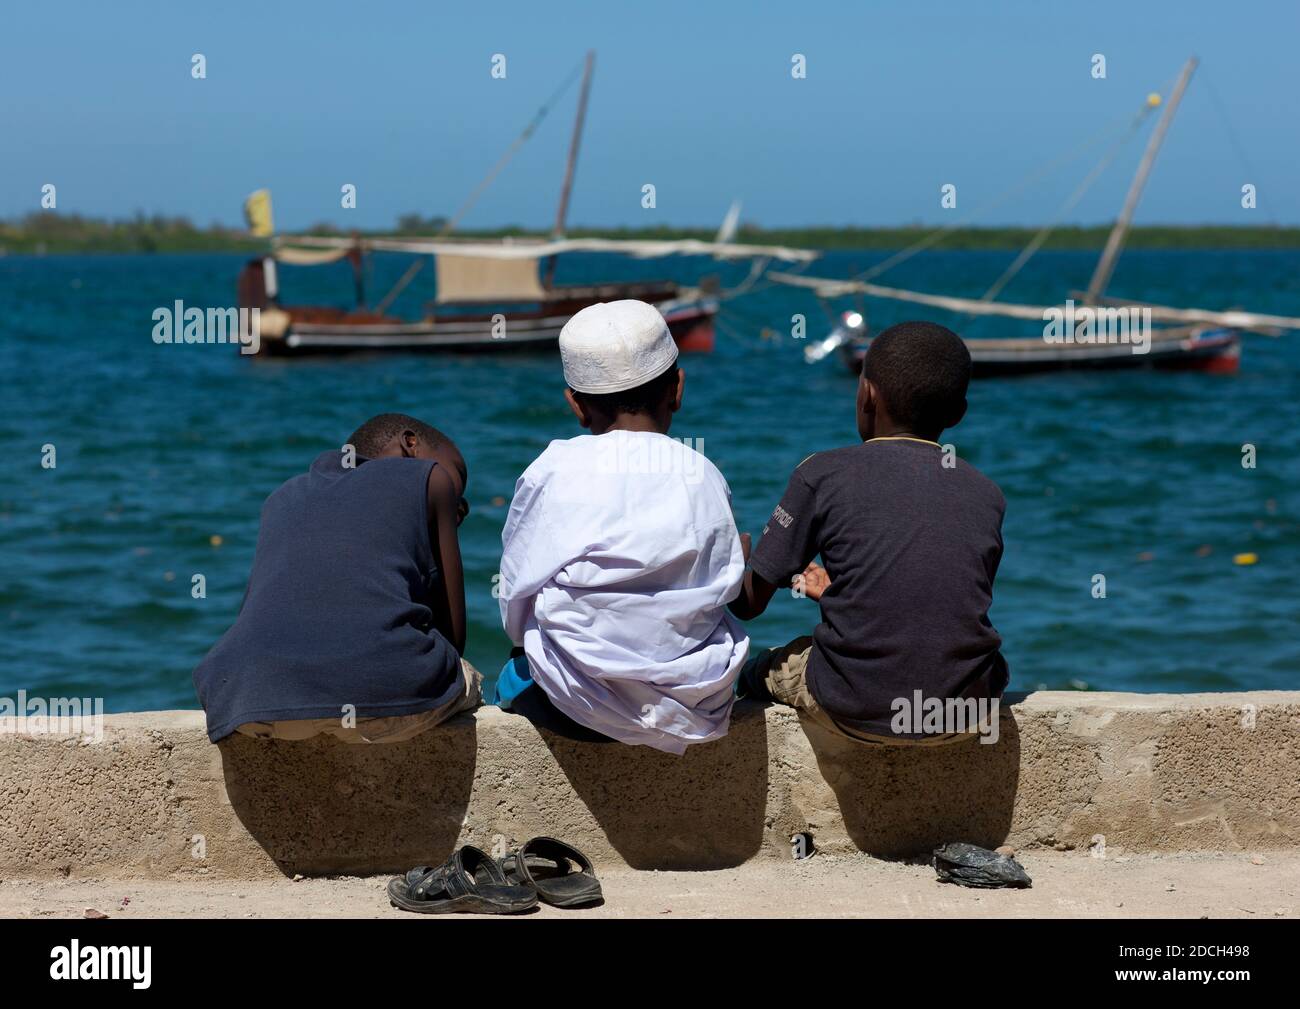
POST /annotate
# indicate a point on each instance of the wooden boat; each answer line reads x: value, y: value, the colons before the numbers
x: 1181, y: 348
x: 322, y: 331
x: 1190, y: 339
x: 491, y: 296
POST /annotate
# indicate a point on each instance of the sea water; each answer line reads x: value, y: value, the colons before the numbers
x: 164, y: 455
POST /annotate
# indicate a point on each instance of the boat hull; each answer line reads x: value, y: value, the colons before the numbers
x: 1216, y: 351
x: 313, y: 331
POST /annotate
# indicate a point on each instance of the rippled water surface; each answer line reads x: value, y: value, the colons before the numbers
x: 166, y: 453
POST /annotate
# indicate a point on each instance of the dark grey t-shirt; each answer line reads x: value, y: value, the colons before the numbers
x: 339, y: 604
x: 911, y: 548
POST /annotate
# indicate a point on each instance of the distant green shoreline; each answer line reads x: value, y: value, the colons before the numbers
x: 54, y: 233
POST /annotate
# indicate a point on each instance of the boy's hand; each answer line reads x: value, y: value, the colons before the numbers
x: 745, y: 545
x: 814, y: 581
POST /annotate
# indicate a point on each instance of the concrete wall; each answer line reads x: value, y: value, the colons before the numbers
x: 1149, y: 772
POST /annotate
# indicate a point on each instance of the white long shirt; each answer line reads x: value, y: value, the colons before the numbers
x: 619, y: 556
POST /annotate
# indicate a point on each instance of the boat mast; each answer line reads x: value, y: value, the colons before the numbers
x: 1106, y: 265
x: 563, y: 210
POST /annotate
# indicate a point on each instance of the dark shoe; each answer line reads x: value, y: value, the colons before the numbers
x: 561, y: 875
x: 470, y: 882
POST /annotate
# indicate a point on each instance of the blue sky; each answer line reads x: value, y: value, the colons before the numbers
x: 696, y: 98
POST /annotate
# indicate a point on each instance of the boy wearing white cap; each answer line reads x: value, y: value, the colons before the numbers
x: 620, y: 554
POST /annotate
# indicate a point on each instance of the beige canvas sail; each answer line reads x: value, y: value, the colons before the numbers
x: 477, y: 278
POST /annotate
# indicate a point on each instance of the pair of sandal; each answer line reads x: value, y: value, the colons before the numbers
x: 473, y: 882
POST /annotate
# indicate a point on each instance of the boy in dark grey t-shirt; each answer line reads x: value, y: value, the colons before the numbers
x: 911, y: 538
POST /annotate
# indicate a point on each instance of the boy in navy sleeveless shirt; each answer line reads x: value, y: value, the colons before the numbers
x: 354, y: 618
x: 911, y: 538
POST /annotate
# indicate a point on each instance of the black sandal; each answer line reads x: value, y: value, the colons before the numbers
x: 470, y: 882
x: 561, y: 875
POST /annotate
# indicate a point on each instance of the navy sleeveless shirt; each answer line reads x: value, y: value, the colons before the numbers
x: 337, y: 610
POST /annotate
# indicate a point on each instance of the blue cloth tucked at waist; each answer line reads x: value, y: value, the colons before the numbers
x: 515, y: 677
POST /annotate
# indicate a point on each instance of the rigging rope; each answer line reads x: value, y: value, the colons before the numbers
x: 519, y: 142
x: 487, y: 180
x: 1235, y: 141
x: 757, y: 280
x: 1015, y: 189
x: 1070, y: 203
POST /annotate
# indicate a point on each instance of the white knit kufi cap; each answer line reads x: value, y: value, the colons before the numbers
x: 614, y: 346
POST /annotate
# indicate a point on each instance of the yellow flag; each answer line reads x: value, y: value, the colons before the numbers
x: 257, y: 212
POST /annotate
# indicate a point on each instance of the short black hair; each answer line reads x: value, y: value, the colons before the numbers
x: 922, y: 370
x: 372, y: 436
x: 644, y: 398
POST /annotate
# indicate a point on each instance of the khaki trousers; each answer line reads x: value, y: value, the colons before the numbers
x: 784, y: 671
x: 465, y: 696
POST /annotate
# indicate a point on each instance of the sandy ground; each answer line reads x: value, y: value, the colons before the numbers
x: 1066, y: 885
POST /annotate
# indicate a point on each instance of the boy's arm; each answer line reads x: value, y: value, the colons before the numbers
x: 755, y: 593
x: 789, y: 542
x: 444, y: 507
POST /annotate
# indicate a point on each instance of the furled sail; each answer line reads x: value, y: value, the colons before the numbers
x: 308, y: 257
x: 535, y: 249
x: 830, y: 288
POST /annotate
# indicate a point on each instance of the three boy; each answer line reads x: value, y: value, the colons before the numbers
x: 354, y: 618
x: 911, y: 539
x: 620, y: 553
x: 620, y: 561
